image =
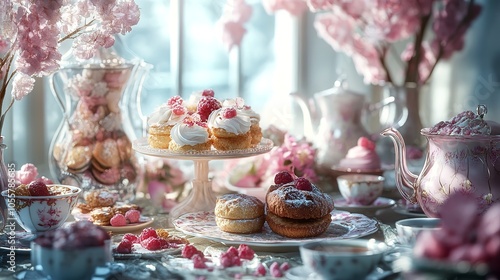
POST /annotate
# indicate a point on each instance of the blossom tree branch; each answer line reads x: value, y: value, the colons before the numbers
x: 412, y: 74
x: 382, y: 56
x: 468, y: 17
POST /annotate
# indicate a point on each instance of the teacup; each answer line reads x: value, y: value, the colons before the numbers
x: 409, y: 229
x: 342, y: 259
x: 360, y: 189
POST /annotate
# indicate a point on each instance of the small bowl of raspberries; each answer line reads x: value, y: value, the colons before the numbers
x: 73, y: 251
x: 38, y: 207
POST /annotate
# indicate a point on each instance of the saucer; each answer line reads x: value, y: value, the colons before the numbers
x: 379, y: 203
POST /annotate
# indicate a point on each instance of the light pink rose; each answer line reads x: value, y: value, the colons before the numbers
x: 27, y: 174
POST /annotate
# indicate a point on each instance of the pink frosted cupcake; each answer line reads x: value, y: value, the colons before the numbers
x: 361, y: 158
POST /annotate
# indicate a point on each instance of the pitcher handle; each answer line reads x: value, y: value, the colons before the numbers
x: 398, y: 120
x: 58, y: 97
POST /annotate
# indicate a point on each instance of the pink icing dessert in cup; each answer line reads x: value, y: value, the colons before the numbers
x: 361, y: 157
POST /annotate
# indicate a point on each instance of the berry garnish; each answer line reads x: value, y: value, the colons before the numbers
x: 130, y: 237
x: 245, y: 252
x: 147, y: 233
x: 303, y: 184
x: 366, y: 143
x: 283, y: 177
x: 229, y: 113
x: 152, y: 243
x: 198, y: 261
x: 118, y: 220
x: 179, y: 110
x: 38, y: 188
x: 189, y: 251
x: 174, y: 100
x: 208, y: 92
x: 124, y: 247
x: 206, y: 106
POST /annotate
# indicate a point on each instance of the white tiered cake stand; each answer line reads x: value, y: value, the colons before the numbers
x: 201, y: 197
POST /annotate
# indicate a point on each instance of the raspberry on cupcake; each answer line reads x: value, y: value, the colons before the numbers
x: 230, y: 130
x: 206, y: 106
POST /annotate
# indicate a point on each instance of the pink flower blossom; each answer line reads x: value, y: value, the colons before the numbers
x: 27, y: 173
x: 294, y: 7
x: 231, y: 24
x: 366, y: 31
x: 22, y: 86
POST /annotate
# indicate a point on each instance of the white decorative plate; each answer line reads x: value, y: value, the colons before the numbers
x: 344, y: 225
x: 143, y: 223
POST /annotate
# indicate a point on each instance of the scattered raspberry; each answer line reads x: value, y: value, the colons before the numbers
x: 232, y: 251
x: 131, y: 237
x: 260, y: 271
x: 283, y: 177
x: 208, y: 92
x: 366, y: 143
x: 179, y: 110
x: 198, y: 261
x: 284, y: 266
x: 133, y: 216
x: 38, y: 188
x: 245, y: 252
x: 146, y: 233
x: 155, y: 243
x: 228, y: 259
x: 229, y: 113
x: 275, y: 271
x: 206, y: 105
x: 189, y: 251
x: 124, y: 247
x: 174, y: 100
x: 118, y: 220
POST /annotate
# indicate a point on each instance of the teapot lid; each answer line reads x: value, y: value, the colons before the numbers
x: 104, y: 58
x: 339, y: 87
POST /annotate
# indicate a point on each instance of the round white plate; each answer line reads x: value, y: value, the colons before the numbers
x: 141, y: 145
x: 143, y: 223
x: 344, y: 225
x: 379, y: 203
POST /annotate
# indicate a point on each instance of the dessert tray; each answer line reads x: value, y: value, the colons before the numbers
x: 141, y: 145
x: 143, y: 223
x: 140, y: 252
x: 344, y: 225
x: 379, y: 203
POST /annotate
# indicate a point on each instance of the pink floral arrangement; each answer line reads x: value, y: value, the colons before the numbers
x: 163, y: 177
x: 469, y: 233
x: 32, y: 31
x: 292, y: 155
x: 369, y: 31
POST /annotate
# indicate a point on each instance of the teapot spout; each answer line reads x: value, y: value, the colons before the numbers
x: 307, y: 113
x: 405, y: 179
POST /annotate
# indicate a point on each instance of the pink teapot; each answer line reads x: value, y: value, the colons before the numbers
x: 454, y: 163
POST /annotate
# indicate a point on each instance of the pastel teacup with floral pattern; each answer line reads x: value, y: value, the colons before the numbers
x: 360, y: 189
x: 42, y: 213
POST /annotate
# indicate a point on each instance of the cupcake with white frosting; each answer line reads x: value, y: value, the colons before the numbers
x: 230, y: 130
x: 190, y: 135
x: 245, y: 110
x: 162, y: 120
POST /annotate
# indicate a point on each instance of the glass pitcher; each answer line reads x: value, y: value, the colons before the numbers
x: 92, y: 147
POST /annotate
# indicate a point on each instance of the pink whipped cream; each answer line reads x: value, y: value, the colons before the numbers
x: 465, y: 123
x: 362, y: 156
